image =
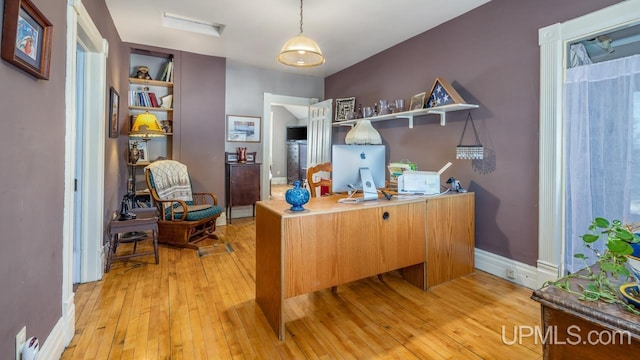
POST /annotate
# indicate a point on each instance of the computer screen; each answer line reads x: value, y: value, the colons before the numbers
x: 347, y: 160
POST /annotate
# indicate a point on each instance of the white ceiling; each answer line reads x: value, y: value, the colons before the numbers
x: 347, y: 31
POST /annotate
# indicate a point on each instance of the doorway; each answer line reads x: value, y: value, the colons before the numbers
x: 267, y: 143
x: 554, y: 41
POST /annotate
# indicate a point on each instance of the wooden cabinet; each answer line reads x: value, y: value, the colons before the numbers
x: 242, y: 186
x: 576, y: 329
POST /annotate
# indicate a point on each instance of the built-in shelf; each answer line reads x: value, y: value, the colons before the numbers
x: 150, y: 82
x: 439, y: 110
x: 149, y: 108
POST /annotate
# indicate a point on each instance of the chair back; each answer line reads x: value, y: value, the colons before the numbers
x: 315, y: 180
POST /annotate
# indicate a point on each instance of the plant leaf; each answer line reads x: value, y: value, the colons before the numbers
x: 589, y: 238
x: 601, y: 222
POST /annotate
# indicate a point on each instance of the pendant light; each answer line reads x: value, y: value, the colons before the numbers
x: 301, y: 51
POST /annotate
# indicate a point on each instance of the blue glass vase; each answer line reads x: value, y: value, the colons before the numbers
x: 297, y: 196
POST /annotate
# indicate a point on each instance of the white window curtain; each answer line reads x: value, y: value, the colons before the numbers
x: 602, y: 148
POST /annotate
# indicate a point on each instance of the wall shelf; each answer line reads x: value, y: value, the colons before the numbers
x: 439, y: 110
x: 147, y: 82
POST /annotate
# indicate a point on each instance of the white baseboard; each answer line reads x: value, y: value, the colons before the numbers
x: 222, y: 219
x: 60, y: 336
x: 242, y: 212
x: 525, y: 275
x: 279, y: 181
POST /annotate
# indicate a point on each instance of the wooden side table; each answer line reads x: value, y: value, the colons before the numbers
x: 146, y: 220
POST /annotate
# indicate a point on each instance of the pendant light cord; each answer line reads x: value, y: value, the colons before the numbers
x: 300, y: 16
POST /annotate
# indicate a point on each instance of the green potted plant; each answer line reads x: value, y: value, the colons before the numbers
x: 611, y: 270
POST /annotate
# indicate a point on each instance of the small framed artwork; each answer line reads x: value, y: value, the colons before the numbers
x: 230, y: 157
x: 142, y: 150
x: 26, y: 38
x: 417, y: 101
x: 251, y: 157
x: 243, y: 128
x: 343, y: 106
x: 114, y: 107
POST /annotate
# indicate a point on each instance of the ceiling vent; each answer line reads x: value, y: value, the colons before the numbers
x: 192, y: 25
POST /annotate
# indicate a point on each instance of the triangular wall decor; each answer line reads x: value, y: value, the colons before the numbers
x: 442, y: 93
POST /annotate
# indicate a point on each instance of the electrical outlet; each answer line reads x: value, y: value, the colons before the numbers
x: 511, y: 272
x: 21, y: 338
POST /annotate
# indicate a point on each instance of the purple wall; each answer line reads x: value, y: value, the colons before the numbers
x: 33, y: 166
x: 491, y: 57
x: 202, y: 121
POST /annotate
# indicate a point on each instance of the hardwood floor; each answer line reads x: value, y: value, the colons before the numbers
x: 191, y: 307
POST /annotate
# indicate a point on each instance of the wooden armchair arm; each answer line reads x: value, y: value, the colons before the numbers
x: 201, y: 198
x: 168, y: 204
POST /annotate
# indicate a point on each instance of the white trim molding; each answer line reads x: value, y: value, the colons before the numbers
x: 553, y: 41
x: 523, y: 274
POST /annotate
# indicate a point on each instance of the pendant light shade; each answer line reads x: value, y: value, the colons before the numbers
x: 301, y: 51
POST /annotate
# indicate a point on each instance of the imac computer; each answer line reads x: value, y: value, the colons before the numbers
x: 358, y: 167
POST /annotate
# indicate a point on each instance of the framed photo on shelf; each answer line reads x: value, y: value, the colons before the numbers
x: 230, y: 157
x: 142, y: 149
x: 417, y: 101
x: 343, y: 106
x: 26, y: 38
x: 114, y: 107
x: 242, y: 128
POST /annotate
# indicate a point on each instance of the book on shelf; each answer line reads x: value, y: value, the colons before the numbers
x: 167, y: 101
x: 167, y: 72
x: 153, y: 99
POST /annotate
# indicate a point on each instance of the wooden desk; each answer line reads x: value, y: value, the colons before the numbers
x: 583, y: 329
x: 331, y: 243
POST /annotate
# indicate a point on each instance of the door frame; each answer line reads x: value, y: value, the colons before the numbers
x: 80, y: 27
x: 553, y: 41
x: 269, y: 100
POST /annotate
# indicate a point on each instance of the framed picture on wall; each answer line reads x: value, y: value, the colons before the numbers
x: 26, y: 38
x: 242, y: 128
x: 114, y: 107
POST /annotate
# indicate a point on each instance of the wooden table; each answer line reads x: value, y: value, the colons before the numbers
x: 331, y: 243
x: 145, y: 220
x: 585, y: 330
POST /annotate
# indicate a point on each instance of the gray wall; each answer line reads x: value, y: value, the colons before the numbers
x: 491, y: 56
x: 245, y: 90
x: 281, y: 119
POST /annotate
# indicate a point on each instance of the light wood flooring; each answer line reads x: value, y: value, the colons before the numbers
x: 191, y: 307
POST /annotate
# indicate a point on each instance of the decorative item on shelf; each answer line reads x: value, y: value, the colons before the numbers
x: 134, y: 153
x: 367, y: 111
x: 399, y: 105
x: 242, y: 154
x: 143, y: 73
x: 442, y: 93
x: 167, y: 126
x: 384, y: 107
x: 470, y: 152
x: 359, y: 112
x: 417, y: 101
x: 146, y: 125
x: 301, y: 51
x: 297, y: 196
x: 344, y: 106
x: 363, y: 133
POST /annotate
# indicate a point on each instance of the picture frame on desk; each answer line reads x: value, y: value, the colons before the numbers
x: 26, y: 38
x: 114, y: 110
